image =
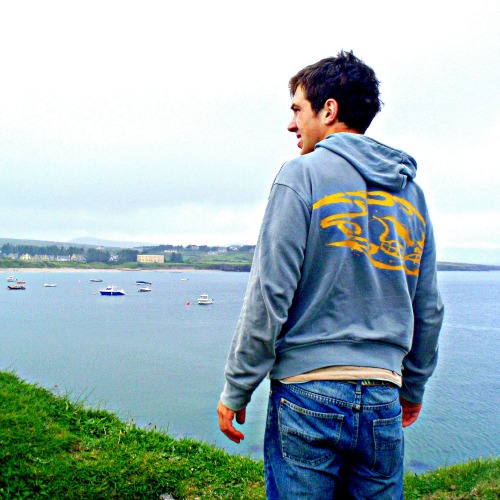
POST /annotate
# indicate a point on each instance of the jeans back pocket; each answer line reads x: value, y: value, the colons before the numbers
x: 307, y: 437
x: 389, y: 445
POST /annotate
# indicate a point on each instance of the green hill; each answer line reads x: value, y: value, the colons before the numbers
x: 52, y: 447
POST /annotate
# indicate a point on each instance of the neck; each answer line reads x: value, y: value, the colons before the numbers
x: 341, y: 127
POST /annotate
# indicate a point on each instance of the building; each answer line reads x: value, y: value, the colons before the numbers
x: 151, y: 259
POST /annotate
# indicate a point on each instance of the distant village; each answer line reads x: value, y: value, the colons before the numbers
x: 234, y: 257
x: 156, y: 254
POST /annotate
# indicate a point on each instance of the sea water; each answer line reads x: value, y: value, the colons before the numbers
x: 158, y: 357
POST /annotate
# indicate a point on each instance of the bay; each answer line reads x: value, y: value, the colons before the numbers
x: 158, y: 358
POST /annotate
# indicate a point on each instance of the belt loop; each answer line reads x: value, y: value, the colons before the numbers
x: 358, y: 386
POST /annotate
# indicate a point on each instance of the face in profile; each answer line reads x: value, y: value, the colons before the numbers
x: 307, y: 125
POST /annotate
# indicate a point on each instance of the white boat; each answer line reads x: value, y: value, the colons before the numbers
x: 205, y: 300
x: 50, y: 285
x: 112, y: 290
x: 11, y: 278
x: 144, y: 289
x: 96, y: 280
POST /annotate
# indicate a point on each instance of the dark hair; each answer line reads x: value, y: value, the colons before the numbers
x: 346, y: 79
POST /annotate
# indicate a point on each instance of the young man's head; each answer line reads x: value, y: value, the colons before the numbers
x: 341, y: 91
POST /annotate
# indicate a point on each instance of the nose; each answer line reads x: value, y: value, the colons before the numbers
x: 292, y: 126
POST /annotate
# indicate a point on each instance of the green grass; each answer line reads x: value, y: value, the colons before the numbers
x: 477, y: 479
x: 51, y: 447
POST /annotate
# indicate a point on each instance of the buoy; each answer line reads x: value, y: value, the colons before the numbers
x: 188, y: 303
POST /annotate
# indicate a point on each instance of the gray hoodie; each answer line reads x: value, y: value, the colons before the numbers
x: 344, y: 272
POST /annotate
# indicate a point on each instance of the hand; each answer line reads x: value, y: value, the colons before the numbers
x: 410, y: 411
x: 226, y: 417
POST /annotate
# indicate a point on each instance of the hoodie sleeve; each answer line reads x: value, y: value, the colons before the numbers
x: 428, y: 310
x: 273, y: 280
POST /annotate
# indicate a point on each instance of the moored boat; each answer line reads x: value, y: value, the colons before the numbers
x: 50, y: 285
x: 96, y: 280
x: 205, y: 300
x: 112, y: 290
x: 20, y: 285
x: 144, y: 289
x: 143, y: 282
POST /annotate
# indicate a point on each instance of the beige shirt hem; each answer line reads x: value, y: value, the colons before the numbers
x: 347, y: 373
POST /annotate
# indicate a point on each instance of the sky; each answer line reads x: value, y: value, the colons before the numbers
x: 165, y: 122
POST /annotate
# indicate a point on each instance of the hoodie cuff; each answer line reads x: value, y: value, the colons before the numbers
x: 414, y: 396
x: 234, y: 397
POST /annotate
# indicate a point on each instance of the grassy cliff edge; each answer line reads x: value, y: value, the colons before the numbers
x: 51, y: 447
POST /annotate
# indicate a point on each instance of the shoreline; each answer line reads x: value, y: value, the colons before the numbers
x: 441, y: 266
x: 12, y: 271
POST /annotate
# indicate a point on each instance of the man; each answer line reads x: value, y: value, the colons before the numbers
x: 342, y: 308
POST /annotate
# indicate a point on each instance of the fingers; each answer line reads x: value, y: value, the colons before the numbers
x: 241, y: 416
x: 226, y: 417
x: 410, y: 411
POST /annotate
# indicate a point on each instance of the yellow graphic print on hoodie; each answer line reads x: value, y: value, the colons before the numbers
x: 362, y: 224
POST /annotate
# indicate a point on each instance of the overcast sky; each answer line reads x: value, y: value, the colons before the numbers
x: 165, y: 121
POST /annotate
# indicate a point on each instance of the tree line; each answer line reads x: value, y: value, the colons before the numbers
x: 90, y: 255
x: 7, y: 249
x: 196, y: 248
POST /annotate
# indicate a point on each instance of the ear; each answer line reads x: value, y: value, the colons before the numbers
x: 331, y: 109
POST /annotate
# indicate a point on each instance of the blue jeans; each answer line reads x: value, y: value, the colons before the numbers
x: 333, y: 440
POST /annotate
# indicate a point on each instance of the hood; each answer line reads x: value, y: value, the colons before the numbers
x: 377, y: 163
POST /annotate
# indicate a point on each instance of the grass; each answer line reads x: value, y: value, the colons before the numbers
x: 51, y: 447
x: 476, y: 479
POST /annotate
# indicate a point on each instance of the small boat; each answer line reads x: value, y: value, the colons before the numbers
x: 50, y: 285
x: 20, y: 285
x: 144, y: 289
x: 184, y: 279
x: 205, y: 300
x: 112, y: 290
x: 11, y: 279
x: 96, y: 280
x: 143, y: 282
